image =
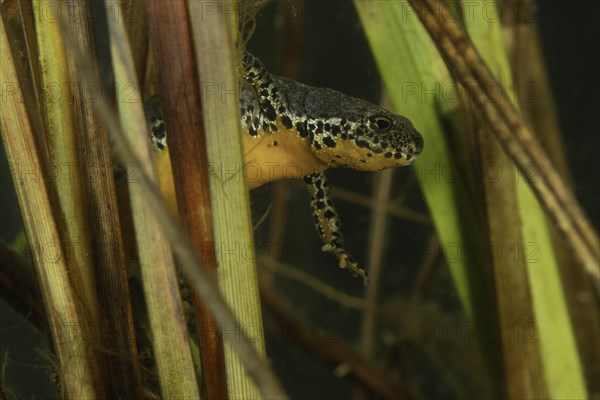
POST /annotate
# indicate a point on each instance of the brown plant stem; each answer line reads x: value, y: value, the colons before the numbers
x: 190, y: 263
x: 218, y: 61
x: 523, y: 367
x: 529, y: 69
x: 507, y: 125
x: 78, y: 361
x: 173, y: 50
x: 382, y: 188
x: 117, y: 332
x: 170, y: 340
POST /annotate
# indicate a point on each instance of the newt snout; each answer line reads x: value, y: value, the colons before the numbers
x: 415, y: 142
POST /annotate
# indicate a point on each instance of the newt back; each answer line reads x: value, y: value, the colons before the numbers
x: 342, y: 130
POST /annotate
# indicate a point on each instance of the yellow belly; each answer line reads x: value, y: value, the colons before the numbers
x: 279, y: 155
x: 267, y: 157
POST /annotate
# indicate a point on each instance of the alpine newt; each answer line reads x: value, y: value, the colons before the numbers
x: 289, y: 123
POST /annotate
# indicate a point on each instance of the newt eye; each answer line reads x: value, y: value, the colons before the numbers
x: 380, y: 123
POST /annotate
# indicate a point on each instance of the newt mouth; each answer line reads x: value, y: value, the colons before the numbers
x: 418, y: 144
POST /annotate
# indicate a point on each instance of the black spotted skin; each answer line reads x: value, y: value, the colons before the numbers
x: 328, y: 223
x: 341, y: 130
x: 156, y: 123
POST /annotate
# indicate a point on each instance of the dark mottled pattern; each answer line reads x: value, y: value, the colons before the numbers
x: 337, y: 127
x: 328, y: 223
x: 323, y: 115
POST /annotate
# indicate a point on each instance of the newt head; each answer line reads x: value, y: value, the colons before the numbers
x: 366, y: 137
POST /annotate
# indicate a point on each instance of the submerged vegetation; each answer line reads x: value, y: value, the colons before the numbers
x: 486, y: 285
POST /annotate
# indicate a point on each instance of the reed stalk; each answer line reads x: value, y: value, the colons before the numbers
x: 170, y: 341
x: 538, y: 313
x: 234, y: 243
x: 79, y: 366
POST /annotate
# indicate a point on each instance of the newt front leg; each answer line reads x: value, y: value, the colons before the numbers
x: 328, y: 223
